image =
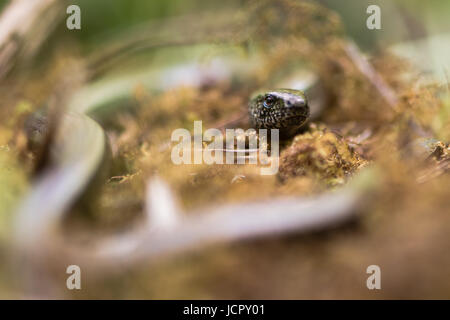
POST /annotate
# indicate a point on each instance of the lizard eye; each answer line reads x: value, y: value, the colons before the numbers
x: 268, y: 101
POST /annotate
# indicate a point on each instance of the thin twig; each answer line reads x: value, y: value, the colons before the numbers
x: 371, y: 74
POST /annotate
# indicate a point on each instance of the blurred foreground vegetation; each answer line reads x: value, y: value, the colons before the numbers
x: 403, y: 225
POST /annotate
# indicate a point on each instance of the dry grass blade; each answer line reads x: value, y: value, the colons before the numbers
x: 173, y: 232
x: 22, y: 30
x: 75, y: 163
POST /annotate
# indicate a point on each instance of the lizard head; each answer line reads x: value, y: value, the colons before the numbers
x: 283, y: 109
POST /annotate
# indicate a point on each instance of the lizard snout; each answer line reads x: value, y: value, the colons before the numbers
x: 295, y: 102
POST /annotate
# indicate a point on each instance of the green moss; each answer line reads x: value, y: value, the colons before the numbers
x: 320, y: 154
x: 13, y: 184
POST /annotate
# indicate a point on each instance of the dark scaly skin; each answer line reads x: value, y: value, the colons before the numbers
x: 283, y: 109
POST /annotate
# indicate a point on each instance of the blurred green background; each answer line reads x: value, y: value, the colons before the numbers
x: 102, y: 17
